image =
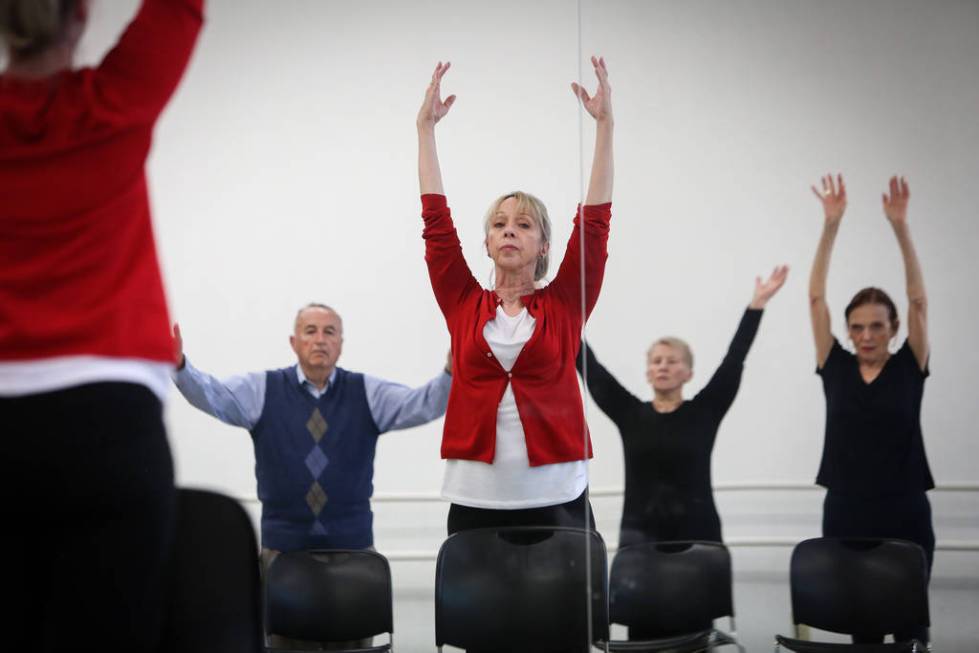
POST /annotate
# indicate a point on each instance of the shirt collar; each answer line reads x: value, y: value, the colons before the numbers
x: 306, y: 383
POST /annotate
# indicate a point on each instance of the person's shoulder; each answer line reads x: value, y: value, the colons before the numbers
x: 344, y: 375
x: 905, y: 355
x: 282, y: 373
x: 838, y: 353
x: 836, y: 358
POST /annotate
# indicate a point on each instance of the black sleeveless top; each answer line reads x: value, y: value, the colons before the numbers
x: 873, y: 445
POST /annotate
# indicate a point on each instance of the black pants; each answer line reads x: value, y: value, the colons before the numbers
x: 905, y: 517
x: 570, y: 514
x: 89, y: 502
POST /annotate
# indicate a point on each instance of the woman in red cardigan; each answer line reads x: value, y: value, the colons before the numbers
x: 85, y: 349
x: 515, y: 437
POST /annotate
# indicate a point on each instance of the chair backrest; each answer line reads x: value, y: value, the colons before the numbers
x: 525, y: 588
x: 214, y: 604
x: 670, y: 586
x: 329, y: 595
x: 859, y: 585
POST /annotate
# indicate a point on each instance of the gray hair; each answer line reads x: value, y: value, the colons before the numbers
x: 675, y: 343
x: 526, y: 203
x: 30, y: 27
x: 316, y: 305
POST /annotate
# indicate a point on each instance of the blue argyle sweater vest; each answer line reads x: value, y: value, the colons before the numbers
x: 314, y: 462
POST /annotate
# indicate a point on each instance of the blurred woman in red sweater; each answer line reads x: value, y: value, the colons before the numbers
x: 85, y: 350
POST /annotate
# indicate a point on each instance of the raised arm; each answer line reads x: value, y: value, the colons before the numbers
x: 450, y: 275
x: 236, y: 400
x: 432, y: 110
x: 595, y: 214
x: 833, y: 199
x: 139, y: 74
x: 896, y: 210
x: 723, y: 386
x: 599, y: 106
x: 614, y: 400
x: 395, y: 406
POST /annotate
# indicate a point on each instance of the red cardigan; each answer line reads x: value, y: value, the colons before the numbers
x: 78, y: 264
x: 544, y: 380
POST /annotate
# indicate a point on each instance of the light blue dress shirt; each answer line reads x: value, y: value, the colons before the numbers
x: 239, y: 400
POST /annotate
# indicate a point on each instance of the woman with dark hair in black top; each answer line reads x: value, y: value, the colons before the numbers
x: 667, y: 442
x: 874, y: 465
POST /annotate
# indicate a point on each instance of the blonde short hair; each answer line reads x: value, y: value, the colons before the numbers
x: 675, y: 343
x: 526, y: 203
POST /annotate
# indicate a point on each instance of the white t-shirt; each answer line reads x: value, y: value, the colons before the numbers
x: 510, y: 483
x: 18, y: 378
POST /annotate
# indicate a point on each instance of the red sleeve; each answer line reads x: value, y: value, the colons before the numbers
x: 447, y: 268
x: 138, y: 76
x: 567, y: 282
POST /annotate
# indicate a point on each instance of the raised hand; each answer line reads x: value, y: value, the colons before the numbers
x: 765, y: 290
x: 433, y: 107
x: 832, y: 197
x: 178, y: 346
x: 896, y: 202
x: 600, y: 104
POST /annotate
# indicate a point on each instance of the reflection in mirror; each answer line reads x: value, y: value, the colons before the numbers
x: 318, y: 130
x: 732, y: 112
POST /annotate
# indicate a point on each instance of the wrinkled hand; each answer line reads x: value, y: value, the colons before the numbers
x: 832, y: 197
x: 896, y: 203
x: 600, y: 104
x: 178, y: 347
x: 765, y: 290
x: 433, y: 107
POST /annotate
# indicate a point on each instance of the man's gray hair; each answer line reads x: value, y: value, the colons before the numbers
x: 317, y: 305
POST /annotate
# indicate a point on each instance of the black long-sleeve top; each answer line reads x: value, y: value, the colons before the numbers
x: 668, y: 493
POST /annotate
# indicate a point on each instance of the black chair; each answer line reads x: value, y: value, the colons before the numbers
x: 676, y: 588
x: 214, y: 605
x: 330, y: 595
x: 521, y: 589
x: 857, y: 586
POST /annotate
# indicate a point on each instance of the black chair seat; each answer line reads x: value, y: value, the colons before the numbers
x: 215, y: 596
x: 672, y: 586
x: 329, y: 595
x: 802, y: 646
x: 521, y: 589
x: 858, y: 585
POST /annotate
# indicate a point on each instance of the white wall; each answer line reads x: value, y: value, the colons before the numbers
x: 284, y: 172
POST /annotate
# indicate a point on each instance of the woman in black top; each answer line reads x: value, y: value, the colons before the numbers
x: 668, y: 441
x: 874, y: 465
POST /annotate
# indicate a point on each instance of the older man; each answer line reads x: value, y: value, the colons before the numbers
x: 314, y: 426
